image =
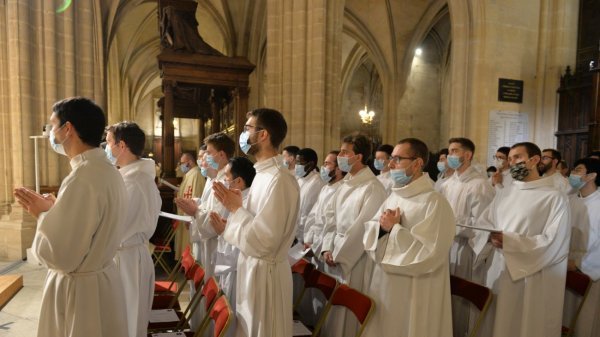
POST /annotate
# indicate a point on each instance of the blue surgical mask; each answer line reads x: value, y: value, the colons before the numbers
x: 399, y: 177
x: 244, y: 146
x: 325, y: 174
x: 204, y: 171
x: 441, y: 166
x: 299, y: 170
x: 343, y: 163
x: 379, y: 164
x: 184, y: 168
x: 576, y: 182
x: 210, y: 160
x: 454, y: 162
x: 109, y: 155
x: 286, y: 164
x: 58, y: 148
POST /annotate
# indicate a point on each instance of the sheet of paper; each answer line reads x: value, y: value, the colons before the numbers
x: 163, y: 315
x: 171, y: 186
x: 300, y: 329
x: 169, y: 334
x: 176, y: 216
x: 296, y: 253
x: 491, y: 230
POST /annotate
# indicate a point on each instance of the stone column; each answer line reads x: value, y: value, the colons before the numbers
x: 44, y: 56
x: 303, y: 69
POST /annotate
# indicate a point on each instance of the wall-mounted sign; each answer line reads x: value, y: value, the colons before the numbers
x: 510, y: 90
x: 505, y: 128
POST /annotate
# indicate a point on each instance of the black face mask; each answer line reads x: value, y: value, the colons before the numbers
x: 519, y: 171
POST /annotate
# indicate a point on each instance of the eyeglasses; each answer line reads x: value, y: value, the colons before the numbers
x: 397, y: 159
x: 247, y: 127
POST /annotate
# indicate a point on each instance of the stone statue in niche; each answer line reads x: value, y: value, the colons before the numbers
x: 179, y: 32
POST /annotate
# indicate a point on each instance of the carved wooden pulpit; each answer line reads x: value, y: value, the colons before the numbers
x: 197, y: 80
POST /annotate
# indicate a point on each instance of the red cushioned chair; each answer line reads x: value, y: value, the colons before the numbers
x: 578, y: 283
x: 359, y: 304
x: 477, y: 294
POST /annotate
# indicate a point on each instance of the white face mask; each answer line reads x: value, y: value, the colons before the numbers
x: 58, y: 148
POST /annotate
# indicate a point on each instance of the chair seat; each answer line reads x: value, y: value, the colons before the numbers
x: 158, y: 326
x: 166, y: 249
x: 163, y: 287
x: 163, y: 301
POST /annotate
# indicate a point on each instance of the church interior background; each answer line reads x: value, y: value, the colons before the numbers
x: 427, y: 68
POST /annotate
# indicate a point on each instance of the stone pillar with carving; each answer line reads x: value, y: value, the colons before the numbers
x: 303, y: 69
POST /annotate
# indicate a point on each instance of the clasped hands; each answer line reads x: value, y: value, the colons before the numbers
x: 32, y: 201
x: 389, y: 218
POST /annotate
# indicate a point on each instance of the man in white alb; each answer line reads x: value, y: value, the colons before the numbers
x: 263, y: 230
x: 548, y: 167
x: 124, y: 147
x: 381, y: 164
x: 584, y: 252
x: 468, y: 193
x: 239, y: 174
x: 219, y: 148
x: 501, y: 178
x: 78, y: 233
x: 355, y: 202
x: 529, y: 256
x: 409, y: 239
x: 310, y: 184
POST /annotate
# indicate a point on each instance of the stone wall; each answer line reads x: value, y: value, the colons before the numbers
x: 44, y: 56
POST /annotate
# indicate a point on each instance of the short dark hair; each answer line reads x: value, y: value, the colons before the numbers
x: 242, y: 167
x: 387, y: 148
x: 131, y: 134
x: 360, y: 145
x: 309, y: 154
x: 272, y: 121
x: 443, y: 151
x: 465, y: 143
x: 190, y: 154
x: 595, y: 153
x: 221, y: 142
x: 418, y: 147
x: 532, y: 149
x: 291, y: 149
x: 336, y: 153
x: 592, y: 165
x: 85, y: 115
x: 504, y: 149
x: 492, y: 169
x: 555, y: 154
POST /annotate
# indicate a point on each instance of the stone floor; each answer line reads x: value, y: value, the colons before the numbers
x: 19, y: 317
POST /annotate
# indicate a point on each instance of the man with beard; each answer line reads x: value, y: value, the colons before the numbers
x: 548, y: 168
x: 263, y: 230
